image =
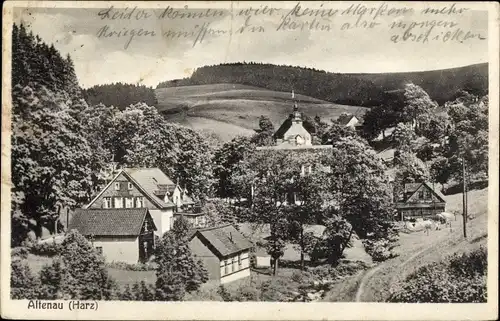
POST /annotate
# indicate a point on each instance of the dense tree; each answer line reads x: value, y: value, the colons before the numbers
x: 226, y: 163
x: 359, y: 185
x: 336, y: 132
x: 23, y: 283
x: 403, y: 137
x: 335, y: 239
x: 120, y: 95
x: 178, y: 270
x: 35, y: 62
x: 264, y: 134
x: 416, y: 103
x: 469, y: 115
x: 79, y: 272
x: 51, y: 159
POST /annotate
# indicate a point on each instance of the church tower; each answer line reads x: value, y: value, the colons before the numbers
x: 292, y: 134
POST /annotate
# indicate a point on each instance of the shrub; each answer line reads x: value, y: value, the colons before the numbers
x: 458, y: 279
x: 45, y: 249
x: 224, y: 293
x: 23, y: 283
x: 380, y: 250
x: 21, y: 252
x: 150, y: 266
x: 78, y: 272
x: 204, y: 294
x: 246, y: 293
x: 276, y: 290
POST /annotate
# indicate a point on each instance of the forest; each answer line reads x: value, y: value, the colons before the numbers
x: 119, y: 95
x: 365, y: 90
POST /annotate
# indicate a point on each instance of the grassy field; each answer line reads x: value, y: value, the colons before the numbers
x: 229, y: 110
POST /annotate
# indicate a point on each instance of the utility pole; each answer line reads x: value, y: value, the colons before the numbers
x: 464, y: 198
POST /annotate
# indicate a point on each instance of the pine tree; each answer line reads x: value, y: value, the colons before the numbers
x: 178, y: 270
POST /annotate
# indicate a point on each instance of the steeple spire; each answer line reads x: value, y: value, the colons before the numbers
x: 297, y: 117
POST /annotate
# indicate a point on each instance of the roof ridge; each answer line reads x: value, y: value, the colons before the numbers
x: 114, y: 209
x: 214, y: 227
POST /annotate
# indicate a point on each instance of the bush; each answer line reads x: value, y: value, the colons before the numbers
x: 277, y: 290
x: 78, y: 273
x: 150, y: 266
x: 204, y: 294
x: 46, y: 249
x: 224, y: 293
x: 458, y: 279
x: 23, y: 283
x: 21, y: 252
x: 380, y: 250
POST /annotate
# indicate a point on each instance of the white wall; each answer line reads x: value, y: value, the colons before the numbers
x: 162, y: 219
x: 235, y: 276
x: 125, y: 249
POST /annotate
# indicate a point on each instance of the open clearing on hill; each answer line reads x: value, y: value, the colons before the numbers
x: 228, y: 110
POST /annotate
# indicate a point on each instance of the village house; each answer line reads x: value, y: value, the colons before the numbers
x: 224, y: 252
x: 125, y: 235
x: 144, y: 188
x: 420, y: 200
x: 348, y: 120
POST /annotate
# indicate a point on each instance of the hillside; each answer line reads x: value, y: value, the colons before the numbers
x: 441, y: 85
x: 351, y: 89
x: 227, y: 110
x: 418, y: 249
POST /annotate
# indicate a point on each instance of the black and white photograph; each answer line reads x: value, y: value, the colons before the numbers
x: 224, y: 156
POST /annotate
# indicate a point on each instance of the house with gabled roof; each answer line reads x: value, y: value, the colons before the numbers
x: 420, y: 200
x: 224, y: 252
x: 144, y: 188
x: 125, y: 235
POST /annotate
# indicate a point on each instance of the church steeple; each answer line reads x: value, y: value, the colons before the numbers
x: 296, y: 115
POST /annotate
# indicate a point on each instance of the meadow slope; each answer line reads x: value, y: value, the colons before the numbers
x: 228, y: 110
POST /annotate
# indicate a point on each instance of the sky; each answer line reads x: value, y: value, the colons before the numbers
x: 150, y: 60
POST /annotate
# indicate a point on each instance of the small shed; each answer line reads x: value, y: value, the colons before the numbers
x: 224, y: 252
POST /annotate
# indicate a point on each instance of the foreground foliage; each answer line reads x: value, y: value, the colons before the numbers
x: 458, y: 279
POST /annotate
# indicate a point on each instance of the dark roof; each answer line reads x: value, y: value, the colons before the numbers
x: 344, y: 119
x: 110, y: 222
x: 285, y: 126
x: 410, y: 189
x: 225, y: 239
x: 149, y: 179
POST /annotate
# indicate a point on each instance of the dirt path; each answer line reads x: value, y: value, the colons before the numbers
x: 370, y: 273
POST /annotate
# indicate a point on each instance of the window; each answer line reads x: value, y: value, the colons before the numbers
x: 139, y: 202
x: 106, y: 202
x: 146, y: 226
x: 130, y: 186
x: 222, y: 269
x: 310, y: 169
x: 99, y: 249
x: 118, y: 202
x: 234, y: 266
x: 129, y: 202
x: 117, y: 186
x: 226, y: 267
x: 239, y: 261
x: 420, y: 194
